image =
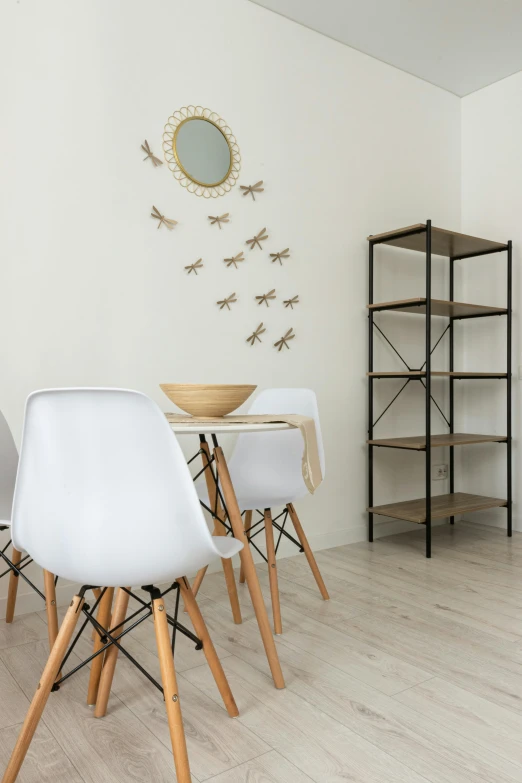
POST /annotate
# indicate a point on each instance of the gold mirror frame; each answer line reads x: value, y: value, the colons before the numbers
x: 175, y: 121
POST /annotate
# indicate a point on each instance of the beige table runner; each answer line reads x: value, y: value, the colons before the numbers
x: 311, y: 465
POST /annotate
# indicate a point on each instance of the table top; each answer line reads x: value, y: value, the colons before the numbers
x: 200, y: 427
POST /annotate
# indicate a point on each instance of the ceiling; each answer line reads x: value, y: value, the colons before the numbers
x: 459, y: 45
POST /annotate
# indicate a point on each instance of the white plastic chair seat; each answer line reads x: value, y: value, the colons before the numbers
x: 266, y: 467
x: 104, y: 495
x: 251, y: 496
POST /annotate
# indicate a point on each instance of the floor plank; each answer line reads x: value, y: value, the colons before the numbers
x: 269, y: 768
x: 45, y: 762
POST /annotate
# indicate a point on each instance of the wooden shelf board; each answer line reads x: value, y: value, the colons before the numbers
x: 418, y: 442
x: 437, y: 373
x: 443, y: 243
x: 438, y: 307
x: 441, y: 506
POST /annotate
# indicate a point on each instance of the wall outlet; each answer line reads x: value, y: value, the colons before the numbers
x: 439, y: 472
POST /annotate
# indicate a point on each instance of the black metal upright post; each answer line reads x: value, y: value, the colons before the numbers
x: 370, y: 392
x: 428, y: 388
x: 451, y: 384
x: 508, y: 382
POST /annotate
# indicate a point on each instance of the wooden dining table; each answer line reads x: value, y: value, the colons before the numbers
x: 225, y: 511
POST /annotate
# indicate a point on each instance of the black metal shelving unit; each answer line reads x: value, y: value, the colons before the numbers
x: 425, y: 238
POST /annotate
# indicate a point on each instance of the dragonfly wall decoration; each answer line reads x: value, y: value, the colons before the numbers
x: 284, y: 340
x: 291, y: 302
x: 235, y: 260
x: 194, y: 267
x: 252, y: 189
x: 221, y: 219
x: 255, y: 334
x: 162, y: 220
x: 260, y: 237
x: 265, y: 297
x: 226, y: 302
x: 155, y: 161
x: 279, y: 256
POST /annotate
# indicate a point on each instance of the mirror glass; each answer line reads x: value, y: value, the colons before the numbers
x: 202, y: 151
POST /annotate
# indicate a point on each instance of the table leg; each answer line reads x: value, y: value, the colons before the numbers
x: 247, y: 561
x: 219, y: 530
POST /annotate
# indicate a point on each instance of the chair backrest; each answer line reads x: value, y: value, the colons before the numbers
x: 274, y: 459
x: 103, y: 488
x: 8, y: 468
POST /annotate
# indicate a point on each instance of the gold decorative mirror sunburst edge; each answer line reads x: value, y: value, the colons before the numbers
x: 206, y: 190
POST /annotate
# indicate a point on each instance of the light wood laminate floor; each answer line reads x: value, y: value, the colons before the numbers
x: 411, y: 673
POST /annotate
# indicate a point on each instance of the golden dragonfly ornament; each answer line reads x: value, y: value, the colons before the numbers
x: 252, y: 189
x: 219, y: 220
x: 155, y: 161
x: 255, y: 334
x: 226, y: 302
x: 162, y: 220
x: 235, y: 260
x: 265, y: 297
x: 260, y: 237
x: 291, y: 302
x: 194, y: 267
x: 279, y: 256
x: 284, y: 340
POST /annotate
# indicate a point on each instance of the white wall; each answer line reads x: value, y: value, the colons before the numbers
x: 93, y: 294
x: 491, y: 202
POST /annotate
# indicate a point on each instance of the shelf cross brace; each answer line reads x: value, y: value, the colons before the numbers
x: 391, y: 403
x: 437, y: 404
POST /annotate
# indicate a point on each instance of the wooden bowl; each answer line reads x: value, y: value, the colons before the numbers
x: 207, y: 400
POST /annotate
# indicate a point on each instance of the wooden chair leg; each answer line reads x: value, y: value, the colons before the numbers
x: 50, y: 608
x: 111, y: 656
x: 198, y: 580
x: 248, y: 525
x: 170, y: 688
x: 14, y: 579
x: 43, y: 690
x: 272, y: 571
x: 104, y: 619
x: 219, y: 530
x: 308, y: 552
x: 251, y: 577
x: 208, y: 648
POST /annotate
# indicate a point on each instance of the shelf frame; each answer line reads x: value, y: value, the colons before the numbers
x: 455, y: 247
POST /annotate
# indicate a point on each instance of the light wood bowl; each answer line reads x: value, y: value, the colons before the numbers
x: 207, y: 400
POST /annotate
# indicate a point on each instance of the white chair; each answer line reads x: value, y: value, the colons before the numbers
x: 266, y: 472
x: 104, y: 497
x: 8, y: 468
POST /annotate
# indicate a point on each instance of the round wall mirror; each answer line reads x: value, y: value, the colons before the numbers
x: 201, y: 151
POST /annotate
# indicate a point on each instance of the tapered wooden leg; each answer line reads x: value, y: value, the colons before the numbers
x: 208, y: 648
x: 16, y: 556
x: 308, y: 552
x: 219, y: 530
x: 170, y: 689
x: 247, y: 562
x: 50, y: 607
x: 43, y: 690
x: 104, y: 619
x: 111, y: 656
x: 272, y: 571
x: 198, y: 580
x: 248, y: 525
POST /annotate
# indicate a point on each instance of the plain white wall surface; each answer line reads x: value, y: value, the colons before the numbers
x: 491, y: 203
x: 94, y: 294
